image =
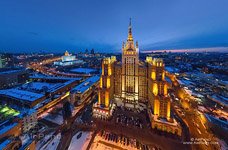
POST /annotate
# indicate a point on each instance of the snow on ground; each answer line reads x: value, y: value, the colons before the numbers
x: 53, y: 144
x: 82, y: 142
x: 43, y: 142
x: 78, y: 120
x: 55, y: 118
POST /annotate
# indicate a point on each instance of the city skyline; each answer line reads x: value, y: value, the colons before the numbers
x: 132, y: 99
x: 29, y: 26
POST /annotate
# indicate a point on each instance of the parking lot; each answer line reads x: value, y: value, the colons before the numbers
x: 123, y: 141
x: 130, y: 118
x: 129, y: 121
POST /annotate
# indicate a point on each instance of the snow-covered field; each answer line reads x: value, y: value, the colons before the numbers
x: 82, y: 142
x: 43, y: 142
x: 53, y: 144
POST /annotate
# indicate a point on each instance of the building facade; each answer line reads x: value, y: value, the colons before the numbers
x: 68, y: 59
x: 132, y: 82
x: 84, y: 91
x: 12, y: 77
x: 6, y: 60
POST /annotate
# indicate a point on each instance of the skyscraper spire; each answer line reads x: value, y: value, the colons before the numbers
x: 130, y: 37
x: 130, y: 22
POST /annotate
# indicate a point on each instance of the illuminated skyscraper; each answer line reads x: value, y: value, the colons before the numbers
x: 130, y: 70
x: 103, y: 108
x: 132, y: 82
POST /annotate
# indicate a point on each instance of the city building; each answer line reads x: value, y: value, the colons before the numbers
x: 6, y: 60
x: 41, y: 93
x: 12, y: 77
x: 9, y: 143
x: 132, y: 82
x: 67, y: 60
x: 84, y: 91
x: 29, y: 120
x: 10, y: 128
x: 92, y: 51
x: 10, y: 136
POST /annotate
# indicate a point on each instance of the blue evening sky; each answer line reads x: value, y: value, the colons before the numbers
x: 57, y: 25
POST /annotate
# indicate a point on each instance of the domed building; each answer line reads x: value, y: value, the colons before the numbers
x: 67, y: 60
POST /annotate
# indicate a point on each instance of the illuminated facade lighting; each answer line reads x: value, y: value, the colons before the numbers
x: 133, y: 82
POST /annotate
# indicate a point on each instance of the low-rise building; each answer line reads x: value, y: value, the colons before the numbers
x: 12, y: 77
x: 29, y: 120
x: 84, y: 90
x: 10, y: 128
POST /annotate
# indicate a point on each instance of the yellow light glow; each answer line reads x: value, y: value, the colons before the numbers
x: 101, y: 82
x: 154, y: 62
x: 109, y: 69
x: 156, y: 107
x: 148, y: 59
x: 99, y: 98
x: 153, y: 75
x: 103, y: 68
x: 64, y: 96
x: 165, y: 90
x: 113, y: 58
x: 168, y: 110
x: 108, y: 82
x: 106, y: 99
x: 163, y: 75
x: 155, y: 89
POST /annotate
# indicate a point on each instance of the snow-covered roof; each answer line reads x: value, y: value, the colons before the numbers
x: 220, y: 99
x: 83, y: 70
x: 4, y: 143
x: 171, y: 69
x: 11, y: 71
x: 6, y: 126
x: 81, y: 88
x: 168, y: 80
x: 39, y: 85
x: 216, y: 120
x: 35, y: 90
x: 21, y: 94
x: 51, y: 77
x: 185, y: 82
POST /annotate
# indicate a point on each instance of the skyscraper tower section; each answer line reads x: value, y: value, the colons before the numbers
x: 103, y: 109
x: 159, y: 108
x: 131, y: 83
x: 130, y: 70
x: 158, y: 89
